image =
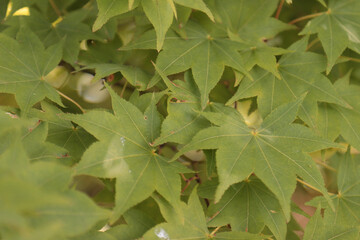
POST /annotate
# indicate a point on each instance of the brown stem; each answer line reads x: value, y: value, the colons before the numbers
x: 306, y: 17
x: 278, y: 11
x: 71, y: 100
x: 188, y: 181
x: 186, y: 186
x: 56, y: 9
x: 183, y: 177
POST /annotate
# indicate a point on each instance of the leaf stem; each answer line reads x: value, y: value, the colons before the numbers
x: 312, y: 43
x: 188, y: 181
x: 213, y: 232
x: 325, y: 165
x: 71, y: 100
x: 351, y: 59
x: 310, y: 186
x: 278, y: 11
x: 123, y: 89
x: 306, y: 17
x: 56, y: 9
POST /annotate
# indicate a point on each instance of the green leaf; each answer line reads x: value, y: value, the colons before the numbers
x: 135, y: 76
x: 3, y: 7
x: 125, y: 152
x: 24, y: 63
x: 63, y: 133
x: 207, y: 55
x: 244, y: 24
x: 95, y: 235
x: 160, y: 14
x: 315, y: 226
x: 248, y: 206
x: 137, y: 224
x: 77, y: 208
x: 36, y: 202
x: 348, y: 118
x: 319, y: 228
x: 111, y: 8
x: 300, y: 73
x: 194, y: 226
x: 337, y: 29
x: 36, y: 146
x: 72, y: 29
x: 346, y: 201
x: 269, y: 151
x: 69, y: 29
x: 198, y: 5
x: 184, y: 111
x: 154, y: 120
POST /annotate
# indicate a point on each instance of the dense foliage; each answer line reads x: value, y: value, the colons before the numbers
x: 179, y: 119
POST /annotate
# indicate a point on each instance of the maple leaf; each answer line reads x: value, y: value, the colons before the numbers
x: 24, y: 63
x: 337, y: 29
x: 248, y: 206
x: 62, y: 132
x: 319, y: 228
x: 344, y: 121
x: 184, y: 113
x: 70, y: 29
x: 47, y: 208
x: 244, y: 23
x: 37, y: 148
x: 138, y: 223
x: 124, y: 152
x: 348, y: 117
x: 159, y: 12
x: 204, y: 53
x: 344, y: 222
x: 135, y: 76
x: 194, y: 225
x: 347, y: 200
x: 300, y: 72
x: 269, y: 151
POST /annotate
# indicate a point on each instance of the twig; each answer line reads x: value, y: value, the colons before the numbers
x: 278, y: 11
x: 56, y: 9
x: 183, y: 177
x: 306, y: 17
x: 71, y: 100
x: 188, y: 181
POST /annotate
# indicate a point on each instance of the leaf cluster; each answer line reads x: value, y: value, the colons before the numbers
x: 179, y: 119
